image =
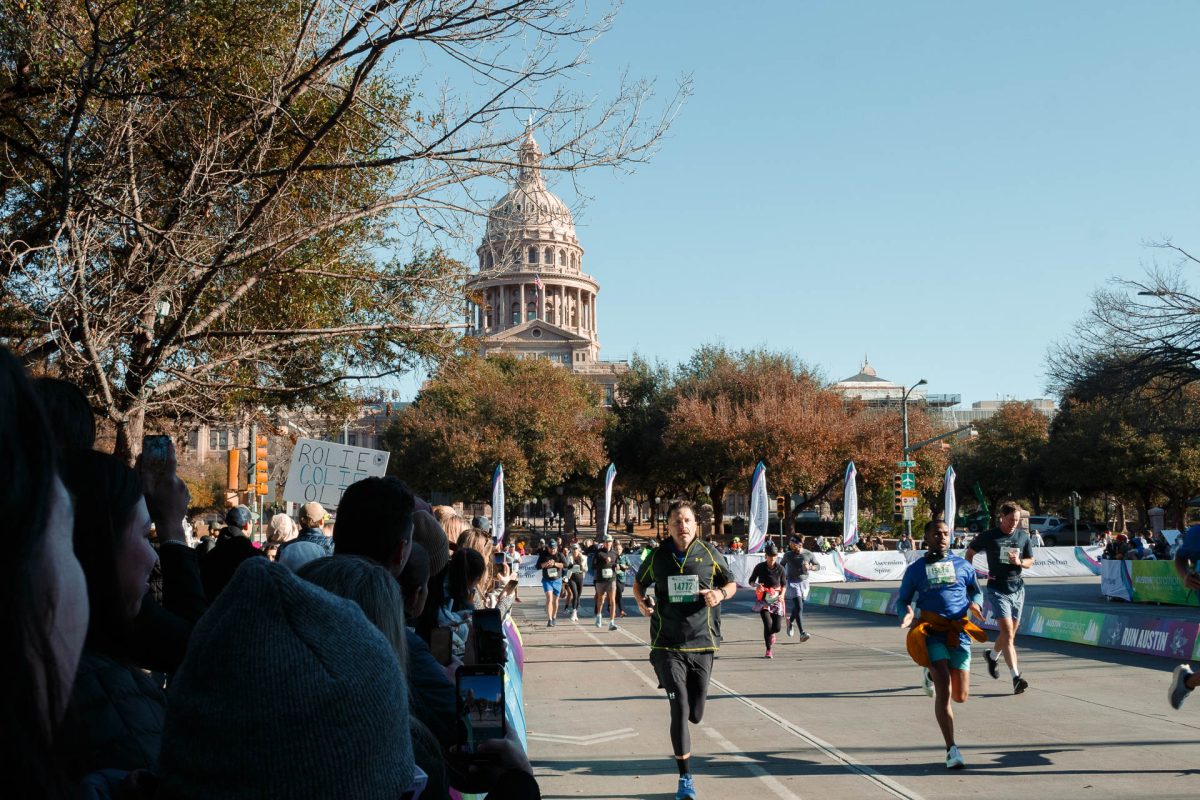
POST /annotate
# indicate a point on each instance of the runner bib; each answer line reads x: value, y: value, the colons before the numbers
x: 940, y: 574
x: 683, y: 588
x: 606, y: 573
x: 552, y: 573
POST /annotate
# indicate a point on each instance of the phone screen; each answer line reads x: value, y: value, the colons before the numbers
x: 480, y: 708
x: 157, y: 452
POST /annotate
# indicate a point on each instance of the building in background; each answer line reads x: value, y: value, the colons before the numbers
x: 531, y: 297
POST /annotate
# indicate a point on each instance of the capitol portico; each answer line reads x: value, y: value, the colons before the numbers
x: 531, y: 297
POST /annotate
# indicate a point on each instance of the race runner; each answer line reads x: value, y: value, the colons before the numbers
x: 1009, y: 552
x: 797, y: 563
x: 768, y: 578
x: 551, y: 565
x: 1187, y: 559
x: 690, y: 579
x: 945, y: 588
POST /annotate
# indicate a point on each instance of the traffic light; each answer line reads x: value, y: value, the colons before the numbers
x: 897, y: 503
x: 260, y: 464
x: 233, y: 478
x: 781, y: 506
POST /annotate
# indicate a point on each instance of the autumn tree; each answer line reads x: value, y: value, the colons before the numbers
x: 1007, y: 456
x: 542, y: 422
x: 241, y: 202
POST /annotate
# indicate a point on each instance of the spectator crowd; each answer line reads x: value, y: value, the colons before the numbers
x: 147, y: 661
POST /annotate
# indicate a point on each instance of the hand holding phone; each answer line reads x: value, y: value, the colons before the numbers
x: 479, y: 692
x: 167, y: 497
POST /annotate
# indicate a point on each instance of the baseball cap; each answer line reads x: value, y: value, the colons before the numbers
x: 606, y: 537
x: 552, y: 543
x: 771, y: 549
x: 313, y: 511
x: 239, y: 517
x: 483, y: 523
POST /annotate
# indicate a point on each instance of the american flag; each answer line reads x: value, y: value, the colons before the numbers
x: 539, y: 289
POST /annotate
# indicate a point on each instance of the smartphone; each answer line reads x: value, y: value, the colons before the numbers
x: 480, y: 694
x: 489, y: 636
x: 498, y: 558
x: 158, y: 455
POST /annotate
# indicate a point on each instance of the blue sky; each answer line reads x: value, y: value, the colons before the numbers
x: 938, y: 185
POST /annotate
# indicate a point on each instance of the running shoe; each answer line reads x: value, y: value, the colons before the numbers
x: 954, y: 759
x: 687, y: 788
x: 599, y: 621
x: 804, y: 637
x: 612, y: 624
x: 574, y: 616
x: 1019, y: 684
x: 926, y: 682
x: 768, y: 655
x: 993, y: 663
x: 1179, y: 690
x: 790, y: 630
x: 549, y: 623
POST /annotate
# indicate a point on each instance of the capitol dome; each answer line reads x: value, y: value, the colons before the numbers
x: 530, y: 206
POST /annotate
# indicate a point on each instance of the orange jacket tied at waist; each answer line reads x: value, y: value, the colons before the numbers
x: 930, y: 624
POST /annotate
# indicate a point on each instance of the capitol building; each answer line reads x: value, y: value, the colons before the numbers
x: 531, y: 297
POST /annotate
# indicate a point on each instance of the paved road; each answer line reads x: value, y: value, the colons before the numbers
x: 843, y: 716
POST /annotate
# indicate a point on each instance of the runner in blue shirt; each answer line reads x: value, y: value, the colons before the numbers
x: 1187, y: 560
x: 945, y: 588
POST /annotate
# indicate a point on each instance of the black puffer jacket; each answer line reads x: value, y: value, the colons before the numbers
x: 119, y: 713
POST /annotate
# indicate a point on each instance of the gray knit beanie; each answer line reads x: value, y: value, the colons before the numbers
x: 286, y: 691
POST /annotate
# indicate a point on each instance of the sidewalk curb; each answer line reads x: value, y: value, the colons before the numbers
x: 1156, y: 636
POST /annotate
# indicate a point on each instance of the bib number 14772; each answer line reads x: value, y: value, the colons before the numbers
x: 683, y: 588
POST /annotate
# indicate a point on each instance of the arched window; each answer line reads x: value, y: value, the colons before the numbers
x: 491, y: 262
x: 533, y: 255
x: 562, y: 258
x: 516, y: 313
x: 548, y: 256
x: 531, y: 310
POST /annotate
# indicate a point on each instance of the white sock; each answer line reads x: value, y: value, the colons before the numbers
x: 1016, y: 673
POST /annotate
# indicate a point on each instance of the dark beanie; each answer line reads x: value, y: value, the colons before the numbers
x: 286, y: 691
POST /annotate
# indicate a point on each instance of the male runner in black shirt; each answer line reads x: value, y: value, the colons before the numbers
x: 1009, y: 552
x: 690, y: 579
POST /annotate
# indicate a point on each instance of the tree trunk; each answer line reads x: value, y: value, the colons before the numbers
x: 129, y: 436
x: 717, y: 493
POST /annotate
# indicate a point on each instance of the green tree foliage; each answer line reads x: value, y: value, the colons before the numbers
x: 1007, y: 457
x: 543, y: 423
x: 238, y: 202
x: 1142, y: 448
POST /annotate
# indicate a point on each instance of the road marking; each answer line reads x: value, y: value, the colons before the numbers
x: 754, y: 769
x: 584, y: 741
x: 849, y: 762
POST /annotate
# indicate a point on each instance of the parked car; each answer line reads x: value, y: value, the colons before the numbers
x: 1064, y: 534
x: 1044, y: 523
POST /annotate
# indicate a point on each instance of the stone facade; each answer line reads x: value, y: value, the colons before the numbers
x: 531, y: 297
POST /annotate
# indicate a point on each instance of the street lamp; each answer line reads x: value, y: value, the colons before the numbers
x: 904, y: 422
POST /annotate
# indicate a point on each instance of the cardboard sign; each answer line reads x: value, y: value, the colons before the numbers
x: 321, y: 471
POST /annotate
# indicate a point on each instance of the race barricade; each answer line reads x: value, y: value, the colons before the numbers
x: 1145, y: 582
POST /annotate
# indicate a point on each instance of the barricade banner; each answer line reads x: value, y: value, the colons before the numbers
x: 1174, y: 638
x: 1064, y: 625
x: 1114, y: 580
x: 1048, y: 562
x: 1156, y: 582
x: 875, y: 565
